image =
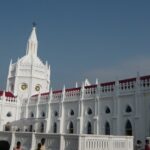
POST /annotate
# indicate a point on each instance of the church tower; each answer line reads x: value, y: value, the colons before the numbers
x: 29, y: 75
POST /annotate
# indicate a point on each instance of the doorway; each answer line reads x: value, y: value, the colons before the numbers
x: 4, y: 145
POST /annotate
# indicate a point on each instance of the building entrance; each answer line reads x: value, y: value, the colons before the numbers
x: 4, y: 145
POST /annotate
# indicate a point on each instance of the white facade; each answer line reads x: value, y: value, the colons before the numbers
x: 120, y: 107
x: 9, y: 109
x: 116, y: 108
x: 29, y: 76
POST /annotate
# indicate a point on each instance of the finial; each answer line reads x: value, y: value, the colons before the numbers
x: 34, y: 24
x: 64, y: 88
x: 76, y: 85
x: 96, y: 82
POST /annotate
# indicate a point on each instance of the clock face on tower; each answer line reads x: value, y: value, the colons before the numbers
x: 37, y: 87
x: 24, y: 86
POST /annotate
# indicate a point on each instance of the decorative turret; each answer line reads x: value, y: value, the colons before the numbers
x: 32, y: 44
x: 29, y: 75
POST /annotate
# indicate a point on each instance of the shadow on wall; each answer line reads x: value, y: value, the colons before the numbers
x: 4, y: 145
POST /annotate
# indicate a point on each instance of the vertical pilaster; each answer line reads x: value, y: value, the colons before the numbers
x: 37, y: 106
x: 18, y: 108
x: 137, y: 96
x: 117, y: 108
x: 62, y: 142
x: 96, y: 128
x: 48, y: 120
x: 81, y: 109
x: 27, y: 105
x: 139, y: 122
x: 61, y: 110
x: 79, y: 117
x: 12, y: 141
x: 100, y: 115
x: 33, y: 141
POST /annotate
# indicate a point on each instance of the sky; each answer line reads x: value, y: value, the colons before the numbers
x: 80, y: 39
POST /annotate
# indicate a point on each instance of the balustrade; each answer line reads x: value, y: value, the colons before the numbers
x: 30, y: 140
x: 90, y: 91
x: 72, y: 94
x: 57, y: 95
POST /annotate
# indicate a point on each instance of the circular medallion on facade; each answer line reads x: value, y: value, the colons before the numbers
x: 37, y: 87
x: 24, y: 86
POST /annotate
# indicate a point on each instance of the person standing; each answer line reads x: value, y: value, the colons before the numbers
x: 39, y: 146
x: 43, y: 144
x: 18, y: 146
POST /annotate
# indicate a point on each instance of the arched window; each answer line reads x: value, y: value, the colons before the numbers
x: 32, y: 114
x: 107, y: 110
x: 9, y: 114
x: 71, y: 112
x: 55, y: 127
x: 71, y: 130
x: 128, y: 128
x: 89, y: 111
x: 42, y: 127
x: 43, y: 114
x: 55, y: 113
x: 128, y: 109
x: 107, y: 128
x: 30, y: 128
x: 7, y: 126
x: 89, y: 128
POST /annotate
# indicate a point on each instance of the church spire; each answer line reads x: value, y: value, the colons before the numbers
x: 32, y: 44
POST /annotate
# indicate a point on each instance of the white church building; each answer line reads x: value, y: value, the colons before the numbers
x: 120, y: 107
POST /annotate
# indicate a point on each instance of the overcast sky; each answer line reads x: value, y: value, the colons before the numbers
x: 104, y: 39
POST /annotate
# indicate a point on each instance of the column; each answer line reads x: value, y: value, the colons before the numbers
x: 117, y: 108
x: 61, y: 111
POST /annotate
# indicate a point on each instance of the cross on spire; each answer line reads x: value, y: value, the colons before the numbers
x: 32, y: 44
x: 34, y: 24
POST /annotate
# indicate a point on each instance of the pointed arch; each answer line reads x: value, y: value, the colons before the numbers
x: 32, y: 115
x: 89, y: 111
x: 128, y: 128
x: 55, y: 127
x: 4, y: 145
x: 42, y: 127
x: 128, y: 109
x: 30, y: 128
x: 55, y: 113
x: 107, y: 110
x: 71, y: 129
x: 107, y: 128
x: 9, y: 114
x: 71, y: 112
x: 89, y: 128
x: 43, y: 114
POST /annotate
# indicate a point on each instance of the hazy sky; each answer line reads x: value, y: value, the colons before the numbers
x: 104, y: 39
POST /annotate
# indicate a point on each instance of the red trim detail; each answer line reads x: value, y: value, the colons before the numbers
x: 7, y: 94
x: 34, y: 95
x: 145, y: 77
x: 59, y: 91
x: 127, y: 80
x: 47, y: 93
x: 108, y: 83
x: 73, y: 89
x: 91, y: 86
